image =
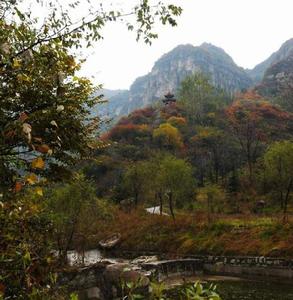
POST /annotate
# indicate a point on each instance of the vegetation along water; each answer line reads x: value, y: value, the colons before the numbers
x: 194, y: 159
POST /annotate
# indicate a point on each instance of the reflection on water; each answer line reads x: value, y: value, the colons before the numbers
x: 234, y: 288
x: 254, y: 290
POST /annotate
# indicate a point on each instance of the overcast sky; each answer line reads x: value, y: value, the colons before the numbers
x: 248, y: 30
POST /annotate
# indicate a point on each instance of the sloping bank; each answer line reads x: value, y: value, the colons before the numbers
x: 193, y: 235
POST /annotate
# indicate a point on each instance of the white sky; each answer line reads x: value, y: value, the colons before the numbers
x: 248, y: 30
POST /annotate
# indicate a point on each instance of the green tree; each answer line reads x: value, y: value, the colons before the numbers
x: 26, y: 263
x: 197, y: 95
x: 70, y: 206
x: 278, y: 161
x: 44, y: 106
x: 159, y: 178
x: 174, y: 180
x: 135, y: 181
x: 45, y: 126
x: 209, y: 142
x: 214, y: 197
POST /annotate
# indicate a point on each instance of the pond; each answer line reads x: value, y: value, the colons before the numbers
x: 255, y: 290
x: 230, y: 288
x: 240, y: 289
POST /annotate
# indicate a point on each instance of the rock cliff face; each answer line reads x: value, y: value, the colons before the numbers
x: 184, y: 60
x: 258, y: 72
x: 277, y: 80
x: 116, y: 99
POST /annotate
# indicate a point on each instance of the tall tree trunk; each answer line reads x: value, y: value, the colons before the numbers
x: 170, y: 198
x: 281, y: 200
x: 209, y: 210
x: 216, y: 165
x: 161, y: 203
x: 136, y: 198
x: 285, y: 217
x: 250, y: 170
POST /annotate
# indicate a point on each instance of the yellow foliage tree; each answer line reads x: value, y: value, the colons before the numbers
x: 168, y: 136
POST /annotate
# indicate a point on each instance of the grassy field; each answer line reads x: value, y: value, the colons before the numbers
x: 193, y: 233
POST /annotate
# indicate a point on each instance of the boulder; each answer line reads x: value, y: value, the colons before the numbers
x: 144, y: 259
x: 117, y: 274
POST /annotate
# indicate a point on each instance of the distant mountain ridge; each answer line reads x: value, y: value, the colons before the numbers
x: 258, y: 72
x: 278, y: 77
x: 169, y: 70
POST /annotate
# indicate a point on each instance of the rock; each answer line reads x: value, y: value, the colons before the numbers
x: 93, y: 293
x: 144, y: 259
x: 219, y: 266
x: 117, y: 274
x: 125, y: 272
x: 127, y: 204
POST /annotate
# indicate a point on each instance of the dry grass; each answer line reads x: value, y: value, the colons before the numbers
x: 192, y: 234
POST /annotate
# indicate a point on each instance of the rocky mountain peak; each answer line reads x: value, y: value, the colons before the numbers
x: 258, y: 72
x: 172, y: 67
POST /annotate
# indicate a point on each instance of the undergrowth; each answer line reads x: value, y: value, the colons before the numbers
x: 193, y: 234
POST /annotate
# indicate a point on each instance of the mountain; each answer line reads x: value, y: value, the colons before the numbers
x: 174, y: 66
x: 277, y: 77
x: 184, y: 60
x: 116, y: 99
x: 277, y: 80
x: 258, y: 72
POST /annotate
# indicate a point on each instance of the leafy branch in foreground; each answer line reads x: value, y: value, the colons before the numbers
x: 60, y: 23
x: 45, y: 121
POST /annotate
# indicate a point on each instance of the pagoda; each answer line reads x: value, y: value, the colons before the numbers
x: 169, y: 98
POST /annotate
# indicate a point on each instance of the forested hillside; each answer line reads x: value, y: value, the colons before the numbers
x: 221, y: 143
x: 205, y: 172
x: 207, y: 157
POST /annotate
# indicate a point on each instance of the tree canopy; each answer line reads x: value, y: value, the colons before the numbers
x: 45, y: 121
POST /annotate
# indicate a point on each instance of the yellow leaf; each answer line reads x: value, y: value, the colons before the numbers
x: 16, y: 63
x: 39, y: 191
x: 38, y: 163
x: 23, y: 78
x: 32, y: 178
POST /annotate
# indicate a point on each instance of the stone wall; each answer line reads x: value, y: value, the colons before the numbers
x: 102, y: 280
x: 249, y: 266
x: 223, y: 265
x: 230, y: 265
x: 87, y: 281
x: 170, y: 268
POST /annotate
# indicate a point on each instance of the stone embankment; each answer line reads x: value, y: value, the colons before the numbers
x: 103, y: 280
x: 249, y: 266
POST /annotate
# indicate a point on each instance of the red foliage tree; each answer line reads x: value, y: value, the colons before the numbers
x: 139, y: 116
x: 129, y: 133
x: 254, y: 122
